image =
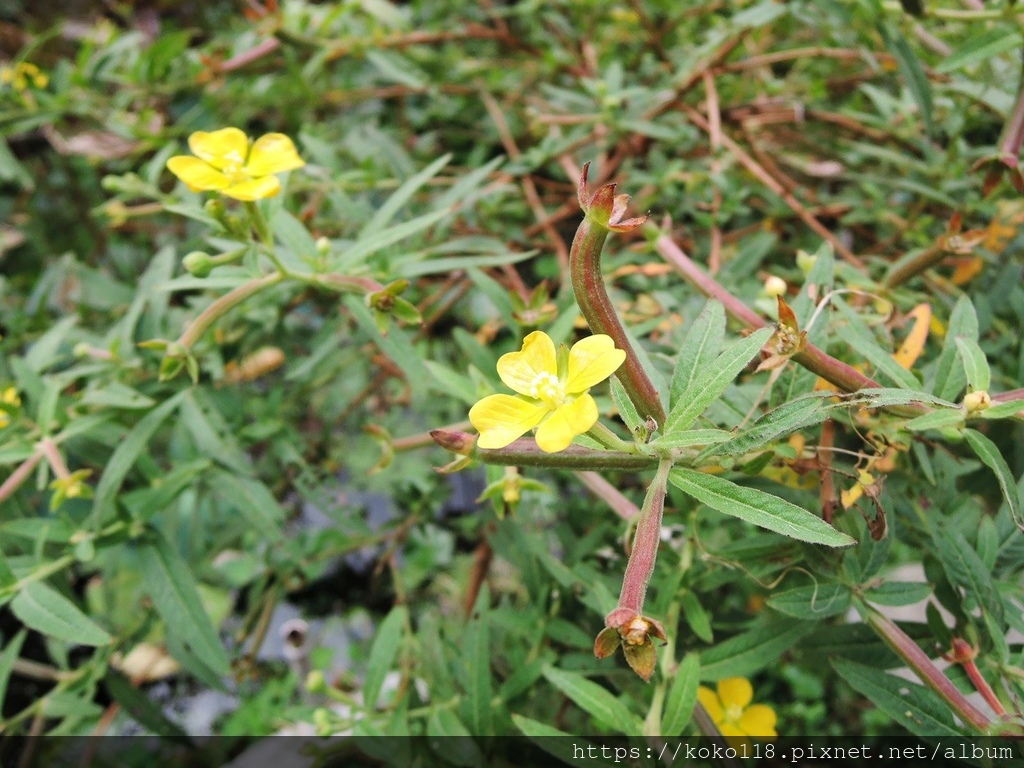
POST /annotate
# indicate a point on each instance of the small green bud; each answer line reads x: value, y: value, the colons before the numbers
x: 315, y: 682
x: 214, y: 208
x: 323, y: 246
x: 198, y: 264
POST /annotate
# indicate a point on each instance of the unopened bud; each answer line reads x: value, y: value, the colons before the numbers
x: 977, y: 401
x: 323, y: 246
x: 315, y: 682
x: 198, y: 264
x: 454, y: 441
x: 775, y: 286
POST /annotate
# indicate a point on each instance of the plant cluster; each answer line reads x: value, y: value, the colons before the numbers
x: 764, y: 427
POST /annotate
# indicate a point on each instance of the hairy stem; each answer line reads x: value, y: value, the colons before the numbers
x: 592, y: 297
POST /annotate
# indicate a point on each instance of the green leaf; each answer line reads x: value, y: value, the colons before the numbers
x: 757, y: 507
x: 595, y: 700
x: 692, y: 437
x: 700, y: 347
x: 863, y: 341
x: 682, y: 696
x: 387, y: 212
x: 982, y: 47
x: 168, y: 581
x: 1003, y: 410
x: 8, y: 656
x: 813, y: 601
x: 117, y: 395
x: 898, y: 593
x: 702, y: 391
x: 253, y: 500
x: 563, y: 748
x: 979, y: 377
x: 127, y: 452
x: 212, y: 436
x: 911, y: 705
x: 993, y: 459
x: 477, y: 660
x: 744, y: 654
x: 396, y: 344
x: 142, y: 708
x: 696, y: 617
x: 964, y: 567
x: 913, y: 73
x: 938, y: 419
x: 382, y: 654
x: 376, y: 241
x: 800, y: 413
x: 44, y: 609
x: 949, y: 377
x: 452, y: 383
x: 625, y: 407
x: 442, y: 726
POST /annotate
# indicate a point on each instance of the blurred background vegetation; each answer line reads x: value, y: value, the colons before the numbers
x: 294, y: 480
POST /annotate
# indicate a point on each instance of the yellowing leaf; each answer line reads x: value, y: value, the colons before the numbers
x: 967, y: 269
x: 913, y: 345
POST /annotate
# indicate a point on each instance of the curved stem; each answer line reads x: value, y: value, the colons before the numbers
x: 588, y: 285
x: 923, y: 667
x: 220, y: 307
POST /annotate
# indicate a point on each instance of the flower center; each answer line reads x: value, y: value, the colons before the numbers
x: 234, y: 167
x: 547, y: 388
x: 733, y: 713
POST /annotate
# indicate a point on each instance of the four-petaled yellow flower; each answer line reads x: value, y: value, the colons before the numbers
x: 23, y: 74
x: 226, y: 162
x: 9, y: 397
x: 552, y: 392
x: 732, y: 711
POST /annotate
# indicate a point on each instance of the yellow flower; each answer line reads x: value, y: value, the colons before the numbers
x: 9, y: 397
x: 552, y: 393
x: 732, y: 712
x: 226, y: 162
x: 23, y: 74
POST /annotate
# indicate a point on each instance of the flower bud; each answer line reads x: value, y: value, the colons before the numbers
x: 775, y: 286
x: 977, y: 401
x: 315, y: 682
x: 198, y: 264
x: 323, y: 246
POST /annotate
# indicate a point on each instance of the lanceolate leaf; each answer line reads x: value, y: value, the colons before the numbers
x: 682, y: 696
x: 46, y: 610
x: 911, y: 705
x: 989, y: 453
x: 704, y: 390
x: 700, y: 347
x: 594, y: 699
x: 757, y: 507
x: 170, y: 585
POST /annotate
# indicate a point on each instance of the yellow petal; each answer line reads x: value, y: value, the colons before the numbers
x: 197, y: 174
x: 758, y: 720
x: 732, y: 731
x: 272, y: 153
x: 228, y: 145
x: 520, y: 369
x: 500, y: 419
x: 592, y: 360
x: 735, y: 692
x: 709, y: 699
x: 557, y: 431
x: 254, y: 189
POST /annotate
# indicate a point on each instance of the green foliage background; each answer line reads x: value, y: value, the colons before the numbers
x: 443, y: 142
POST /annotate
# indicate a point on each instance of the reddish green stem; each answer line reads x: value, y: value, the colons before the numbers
x: 645, y: 544
x: 924, y: 667
x: 592, y: 297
